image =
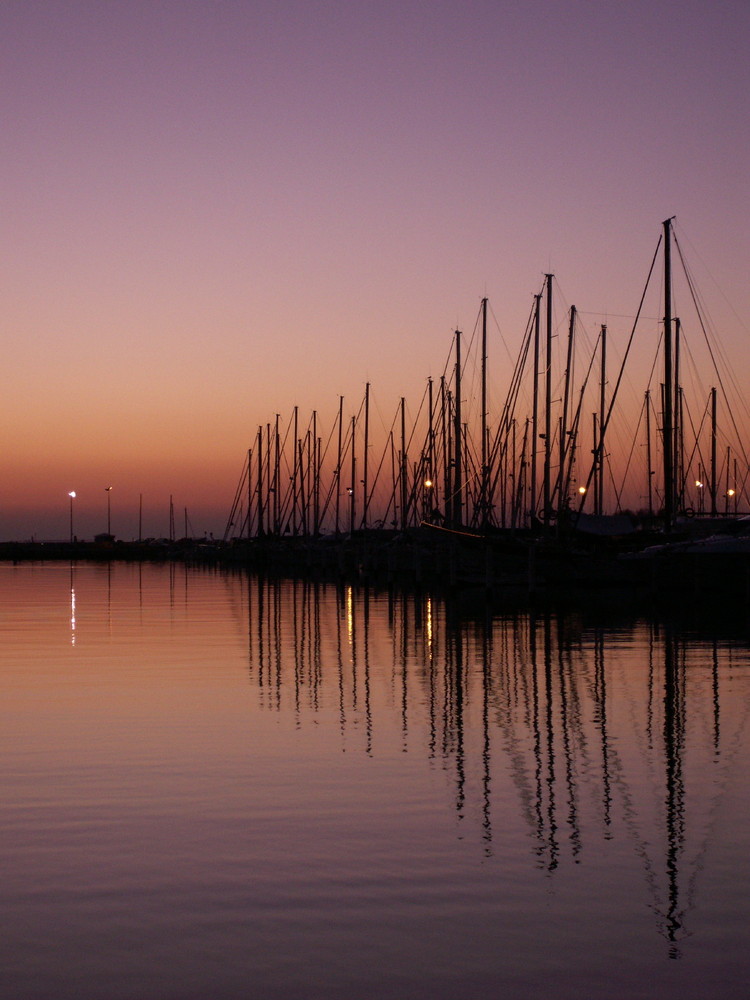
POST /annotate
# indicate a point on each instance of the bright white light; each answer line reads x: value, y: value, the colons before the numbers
x: 581, y: 490
x: 72, y: 494
x: 699, y: 484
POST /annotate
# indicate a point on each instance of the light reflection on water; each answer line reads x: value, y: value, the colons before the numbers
x: 219, y: 786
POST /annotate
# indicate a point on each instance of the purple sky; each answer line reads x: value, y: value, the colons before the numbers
x: 215, y: 210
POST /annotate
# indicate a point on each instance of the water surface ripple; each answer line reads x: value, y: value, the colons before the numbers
x: 219, y: 786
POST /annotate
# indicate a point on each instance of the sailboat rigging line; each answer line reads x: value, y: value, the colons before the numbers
x: 696, y: 440
x: 620, y: 374
x: 386, y: 451
x: 334, y: 483
x: 577, y: 421
x: 632, y: 449
x: 711, y: 351
x: 238, y: 497
x: 414, y: 422
x: 499, y: 330
x: 655, y: 362
x: 618, y: 494
x: 503, y: 428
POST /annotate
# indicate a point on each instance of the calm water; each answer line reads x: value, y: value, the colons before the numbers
x: 214, y: 788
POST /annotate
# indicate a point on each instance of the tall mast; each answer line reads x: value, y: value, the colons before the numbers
x: 269, y: 480
x: 249, y: 491
x: 276, y: 478
x: 548, y: 404
x: 667, y: 430
x: 561, y: 498
x: 430, y: 492
x: 677, y: 420
x: 648, y: 452
x: 303, y: 502
x: 535, y: 410
x: 318, y: 453
x: 314, y: 483
x: 458, y: 472
x: 726, y: 487
x: 404, y: 466
x: 367, y: 445
x: 259, y: 486
x: 602, y: 414
x: 294, y: 474
x: 445, y: 438
x: 513, y: 477
x: 338, y: 466
x: 713, y: 451
x: 484, y: 500
x: 352, y: 488
x: 595, y: 438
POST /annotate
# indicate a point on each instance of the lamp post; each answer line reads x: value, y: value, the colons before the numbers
x: 108, y: 491
x: 72, y: 496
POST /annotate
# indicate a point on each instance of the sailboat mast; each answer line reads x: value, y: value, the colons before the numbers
x: 484, y: 501
x: 679, y: 479
x: 367, y: 445
x: 726, y: 486
x: 595, y: 438
x: 713, y: 451
x: 602, y: 415
x: 338, y: 466
x: 431, y: 443
x: 648, y: 452
x: 548, y: 404
x: 294, y: 473
x: 535, y: 409
x: 269, y: 480
x: 458, y: 450
x: 314, y: 484
x: 249, y: 492
x: 352, y: 488
x: 445, y: 438
x: 667, y: 430
x: 561, y: 497
x: 404, y: 466
x: 276, y: 526
x: 259, y: 484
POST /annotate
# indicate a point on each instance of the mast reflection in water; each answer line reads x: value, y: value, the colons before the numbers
x: 226, y: 784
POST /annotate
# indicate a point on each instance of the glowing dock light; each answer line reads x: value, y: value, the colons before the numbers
x: 72, y: 496
x: 108, y: 491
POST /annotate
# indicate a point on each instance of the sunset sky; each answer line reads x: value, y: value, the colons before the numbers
x: 215, y: 210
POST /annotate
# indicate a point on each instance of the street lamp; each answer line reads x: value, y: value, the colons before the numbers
x: 108, y: 491
x: 72, y: 496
